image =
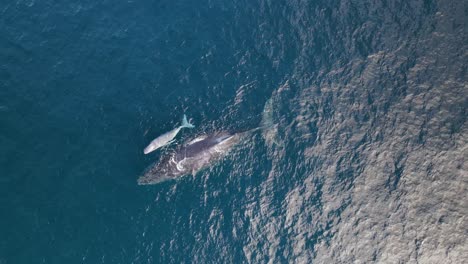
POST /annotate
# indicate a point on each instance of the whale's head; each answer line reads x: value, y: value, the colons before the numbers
x: 152, y: 179
x: 161, y: 171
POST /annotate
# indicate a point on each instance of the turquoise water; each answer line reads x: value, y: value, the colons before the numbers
x: 86, y: 85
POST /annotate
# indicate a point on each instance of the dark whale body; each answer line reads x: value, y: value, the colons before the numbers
x: 191, y: 157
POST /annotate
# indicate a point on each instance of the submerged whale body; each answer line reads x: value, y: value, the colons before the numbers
x: 192, y: 157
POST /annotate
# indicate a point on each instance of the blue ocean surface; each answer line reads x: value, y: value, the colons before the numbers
x: 363, y: 161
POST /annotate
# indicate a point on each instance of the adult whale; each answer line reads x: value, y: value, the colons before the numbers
x: 192, y: 157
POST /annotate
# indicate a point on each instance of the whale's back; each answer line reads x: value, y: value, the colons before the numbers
x: 194, y: 149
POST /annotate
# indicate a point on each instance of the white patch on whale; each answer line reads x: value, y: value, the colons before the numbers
x: 195, y: 140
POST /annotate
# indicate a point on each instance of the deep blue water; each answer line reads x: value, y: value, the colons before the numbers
x: 86, y: 85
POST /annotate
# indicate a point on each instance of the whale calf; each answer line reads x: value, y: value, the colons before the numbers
x: 197, y: 154
x: 167, y: 138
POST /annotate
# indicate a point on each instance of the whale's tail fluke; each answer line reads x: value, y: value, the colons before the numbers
x: 185, y: 123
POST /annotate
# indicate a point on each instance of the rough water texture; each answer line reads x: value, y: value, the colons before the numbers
x: 363, y: 161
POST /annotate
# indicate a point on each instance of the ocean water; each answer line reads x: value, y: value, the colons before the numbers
x: 365, y: 163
